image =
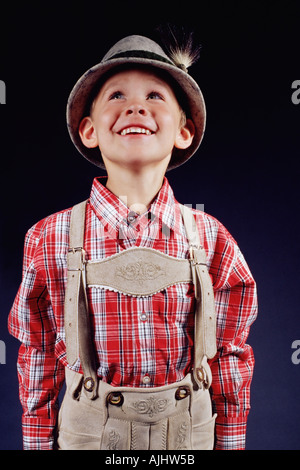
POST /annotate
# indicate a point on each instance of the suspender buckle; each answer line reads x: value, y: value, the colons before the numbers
x: 81, y: 262
x: 202, y: 376
x: 197, y: 255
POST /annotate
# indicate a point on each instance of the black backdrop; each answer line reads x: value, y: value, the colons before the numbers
x: 246, y: 172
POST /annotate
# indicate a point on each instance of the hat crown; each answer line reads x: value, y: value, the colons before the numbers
x: 135, y: 43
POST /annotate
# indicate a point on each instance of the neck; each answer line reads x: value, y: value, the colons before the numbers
x: 136, y: 189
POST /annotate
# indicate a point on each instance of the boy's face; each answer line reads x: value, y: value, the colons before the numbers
x: 136, y: 120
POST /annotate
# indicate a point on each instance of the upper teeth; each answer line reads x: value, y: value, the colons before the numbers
x: 136, y: 130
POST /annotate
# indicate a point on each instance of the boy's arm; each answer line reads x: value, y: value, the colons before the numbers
x: 32, y: 322
x: 232, y: 367
x: 40, y: 378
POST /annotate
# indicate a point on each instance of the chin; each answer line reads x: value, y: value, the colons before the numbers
x: 143, y: 162
x: 139, y: 159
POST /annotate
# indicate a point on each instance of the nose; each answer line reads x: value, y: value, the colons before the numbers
x: 137, y: 109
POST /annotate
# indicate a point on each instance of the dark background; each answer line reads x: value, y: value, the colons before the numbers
x: 246, y: 172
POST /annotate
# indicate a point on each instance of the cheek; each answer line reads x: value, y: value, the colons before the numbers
x: 103, y: 127
x: 104, y: 118
x: 170, y: 119
x: 172, y: 129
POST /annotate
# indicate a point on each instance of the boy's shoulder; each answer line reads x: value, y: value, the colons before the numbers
x: 53, y: 225
x: 213, y: 229
x: 47, y: 238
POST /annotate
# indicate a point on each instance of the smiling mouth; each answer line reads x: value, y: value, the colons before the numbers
x: 136, y: 130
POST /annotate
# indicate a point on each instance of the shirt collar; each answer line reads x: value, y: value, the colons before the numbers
x: 112, y: 211
x: 166, y: 208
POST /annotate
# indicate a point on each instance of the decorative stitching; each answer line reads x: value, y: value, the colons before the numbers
x: 164, y: 433
x: 133, y: 445
x: 140, y: 271
x: 113, y: 439
x: 181, y: 436
x: 98, y: 286
x: 151, y: 406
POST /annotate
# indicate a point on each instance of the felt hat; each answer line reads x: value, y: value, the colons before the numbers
x: 136, y: 50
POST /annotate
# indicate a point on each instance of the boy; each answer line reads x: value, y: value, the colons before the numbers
x: 116, y: 296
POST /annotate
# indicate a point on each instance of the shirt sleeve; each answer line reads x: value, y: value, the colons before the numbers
x: 40, y: 374
x: 232, y: 367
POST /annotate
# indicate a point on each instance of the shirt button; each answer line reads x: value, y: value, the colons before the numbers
x: 146, y: 380
x: 143, y: 316
x: 132, y: 216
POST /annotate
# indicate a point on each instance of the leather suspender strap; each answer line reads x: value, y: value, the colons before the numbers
x: 205, y: 318
x: 77, y: 325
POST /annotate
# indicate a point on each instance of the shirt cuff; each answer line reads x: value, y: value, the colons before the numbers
x: 38, y: 433
x: 231, y: 433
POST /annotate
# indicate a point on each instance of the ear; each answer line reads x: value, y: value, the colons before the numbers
x: 185, y: 135
x: 87, y: 133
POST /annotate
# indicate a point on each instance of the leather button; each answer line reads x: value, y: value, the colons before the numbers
x: 89, y: 384
x: 115, y: 398
x: 182, y: 392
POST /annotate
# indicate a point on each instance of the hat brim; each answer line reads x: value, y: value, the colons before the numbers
x: 80, y: 95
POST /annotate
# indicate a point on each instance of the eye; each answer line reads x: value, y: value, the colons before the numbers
x: 116, y: 95
x: 154, y: 95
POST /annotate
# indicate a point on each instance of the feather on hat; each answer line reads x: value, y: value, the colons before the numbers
x: 179, y: 46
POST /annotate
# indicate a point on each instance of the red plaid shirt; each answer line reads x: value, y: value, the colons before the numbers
x: 134, y: 336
